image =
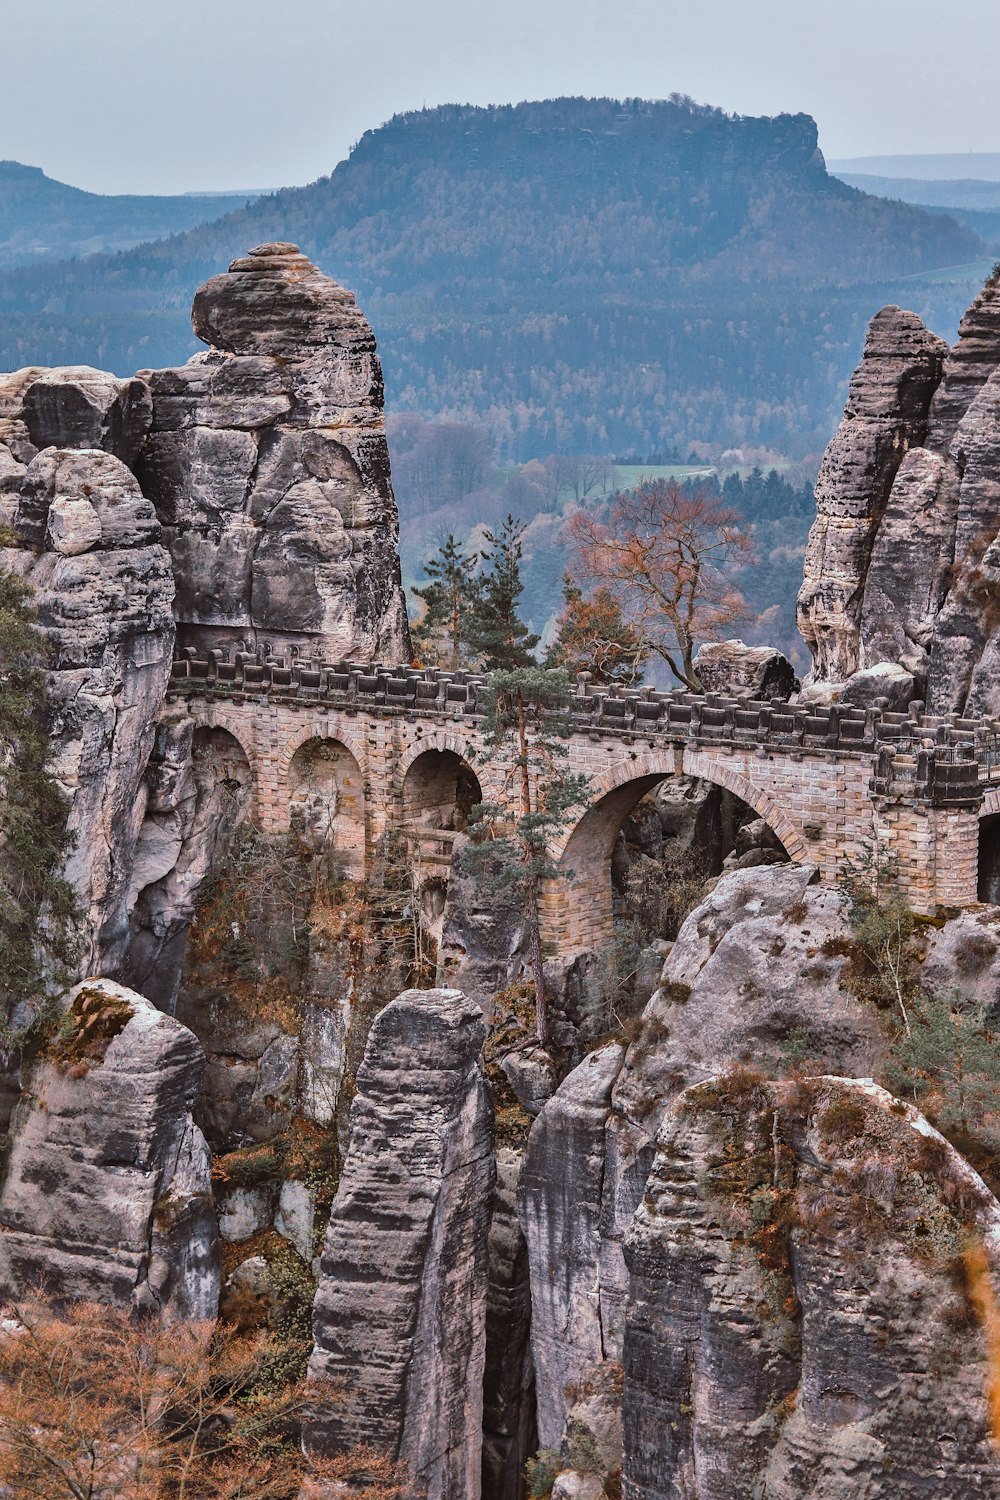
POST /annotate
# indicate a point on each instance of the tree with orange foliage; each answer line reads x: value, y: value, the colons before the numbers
x: 592, y: 637
x: 663, y: 554
x: 97, y: 1404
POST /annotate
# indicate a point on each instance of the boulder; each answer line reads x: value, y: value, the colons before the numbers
x: 400, y: 1310
x: 108, y: 1192
x: 79, y: 407
x: 799, y: 1320
x: 733, y: 667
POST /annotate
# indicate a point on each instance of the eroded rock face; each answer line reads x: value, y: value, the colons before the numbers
x: 795, y: 1322
x: 509, y: 1429
x: 401, y: 1305
x: 73, y: 406
x: 108, y: 1192
x: 747, y: 980
x: 733, y: 667
x: 559, y: 1206
x: 268, y: 466
x: 89, y: 545
x: 903, y: 566
x: 885, y: 416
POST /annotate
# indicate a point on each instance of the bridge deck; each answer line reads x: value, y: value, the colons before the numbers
x: 946, y: 758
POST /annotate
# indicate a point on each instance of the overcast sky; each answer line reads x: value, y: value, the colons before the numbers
x: 172, y: 95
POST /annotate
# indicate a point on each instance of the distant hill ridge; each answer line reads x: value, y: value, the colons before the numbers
x: 581, y: 274
x: 42, y: 219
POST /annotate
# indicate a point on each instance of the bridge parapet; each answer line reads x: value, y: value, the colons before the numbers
x: 943, y: 761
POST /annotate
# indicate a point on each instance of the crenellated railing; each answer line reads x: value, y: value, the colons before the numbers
x: 946, y: 760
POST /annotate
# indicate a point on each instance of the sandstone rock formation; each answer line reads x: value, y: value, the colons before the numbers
x: 747, y: 980
x: 89, y: 544
x: 799, y: 1322
x: 734, y: 667
x: 268, y: 466
x: 73, y: 406
x: 509, y: 1428
x: 901, y: 571
x: 885, y: 416
x: 401, y: 1306
x: 559, y: 1206
x: 108, y: 1190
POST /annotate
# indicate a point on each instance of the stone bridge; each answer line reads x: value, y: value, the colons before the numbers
x: 361, y: 750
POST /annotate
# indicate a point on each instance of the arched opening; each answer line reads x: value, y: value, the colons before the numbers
x: 327, y: 805
x: 989, y: 859
x: 641, y: 855
x: 439, y: 790
x: 170, y: 866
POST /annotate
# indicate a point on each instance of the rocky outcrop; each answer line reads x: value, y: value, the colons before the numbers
x: 108, y: 1190
x: 800, y: 1320
x: 885, y: 416
x: 268, y: 465
x: 73, y: 406
x: 756, y: 975
x: 560, y: 1198
x: 400, y: 1311
x: 89, y: 545
x: 509, y: 1429
x: 734, y: 667
x: 913, y: 606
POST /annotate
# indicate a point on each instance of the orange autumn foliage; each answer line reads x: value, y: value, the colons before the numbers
x: 664, y: 554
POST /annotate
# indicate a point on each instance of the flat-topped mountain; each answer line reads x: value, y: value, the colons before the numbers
x: 584, y: 274
x: 45, y: 220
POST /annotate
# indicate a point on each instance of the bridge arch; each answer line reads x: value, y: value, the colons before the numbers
x: 580, y: 915
x: 326, y: 802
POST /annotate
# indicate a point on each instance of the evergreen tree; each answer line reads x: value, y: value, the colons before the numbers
x: 440, y: 635
x: 498, y: 636
x: 949, y: 1063
x: 37, y: 906
x: 593, y: 637
x: 527, y: 722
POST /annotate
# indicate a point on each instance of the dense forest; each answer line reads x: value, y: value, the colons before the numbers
x: 578, y: 275
x: 45, y: 220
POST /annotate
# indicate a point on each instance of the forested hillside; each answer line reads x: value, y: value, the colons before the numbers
x: 581, y: 275
x: 45, y: 220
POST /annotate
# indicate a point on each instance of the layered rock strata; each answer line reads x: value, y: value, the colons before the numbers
x: 108, y: 1190
x: 901, y: 573
x: 886, y: 415
x: 400, y: 1311
x: 799, y: 1321
x: 268, y: 465
x: 88, y: 542
x: 755, y: 974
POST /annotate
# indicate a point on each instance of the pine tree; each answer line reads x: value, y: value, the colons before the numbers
x: 37, y: 905
x: 949, y: 1062
x: 593, y: 637
x: 498, y: 636
x: 440, y: 635
x: 527, y: 718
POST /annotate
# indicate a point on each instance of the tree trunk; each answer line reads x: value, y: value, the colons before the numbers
x: 531, y: 884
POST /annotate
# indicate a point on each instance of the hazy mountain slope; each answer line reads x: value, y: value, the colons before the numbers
x: 946, y: 165
x: 41, y: 219
x: 583, y: 274
x: 945, y: 192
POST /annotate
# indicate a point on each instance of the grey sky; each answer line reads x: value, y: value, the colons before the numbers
x: 173, y: 95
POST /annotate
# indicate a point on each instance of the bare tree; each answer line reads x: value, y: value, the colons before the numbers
x: 664, y: 555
